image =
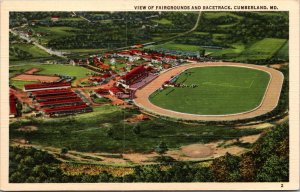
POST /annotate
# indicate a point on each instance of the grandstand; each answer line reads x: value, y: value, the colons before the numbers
x: 134, y: 76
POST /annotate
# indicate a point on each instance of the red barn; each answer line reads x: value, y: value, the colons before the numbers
x: 45, y: 86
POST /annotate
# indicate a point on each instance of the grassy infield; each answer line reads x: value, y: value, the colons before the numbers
x: 221, y: 90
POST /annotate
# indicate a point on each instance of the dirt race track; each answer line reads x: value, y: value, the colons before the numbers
x: 41, y: 78
x: 268, y: 103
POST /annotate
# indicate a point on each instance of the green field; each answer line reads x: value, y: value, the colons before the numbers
x: 215, y: 15
x: 54, y: 32
x: 20, y: 84
x: 283, y: 53
x: 88, y: 132
x: 176, y: 46
x: 234, y: 51
x: 32, y: 49
x: 163, y: 21
x: 220, y: 90
x: 262, y: 50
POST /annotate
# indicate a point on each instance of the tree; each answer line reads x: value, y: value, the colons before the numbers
x: 64, y: 151
x: 137, y: 129
x: 109, y: 132
x: 275, y: 169
x: 162, y: 148
x: 226, y: 168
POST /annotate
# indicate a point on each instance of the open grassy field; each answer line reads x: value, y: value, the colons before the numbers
x: 263, y: 49
x: 234, y: 51
x: 19, y: 83
x: 215, y: 15
x: 176, y: 46
x: 32, y: 49
x: 83, y: 50
x: 163, y: 21
x: 220, y: 90
x: 88, y: 132
x: 54, y: 32
x: 283, y: 53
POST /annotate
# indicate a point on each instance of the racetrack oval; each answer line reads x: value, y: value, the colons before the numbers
x: 268, y: 102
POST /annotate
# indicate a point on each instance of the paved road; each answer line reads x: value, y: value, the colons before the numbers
x: 81, y: 17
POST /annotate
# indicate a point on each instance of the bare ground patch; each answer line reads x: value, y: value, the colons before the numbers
x: 41, y: 78
x: 32, y: 71
x: 29, y: 128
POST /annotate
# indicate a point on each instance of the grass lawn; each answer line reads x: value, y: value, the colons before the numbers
x: 83, y: 50
x: 100, y: 100
x: 75, y: 71
x: 283, y: 53
x: 175, y: 46
x: 227, y: 52
x: 88, y: 132
x: 215, y: 15
x: 54, y: 32
x: 32, y: 49
x: 262, y: 50
x: 19, y: 83
x: 72, y: 19
x: 220, y: 90
x: 106, y: 21
x: 163, y: 21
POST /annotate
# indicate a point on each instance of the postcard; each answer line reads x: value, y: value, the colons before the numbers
x: 149, y: 95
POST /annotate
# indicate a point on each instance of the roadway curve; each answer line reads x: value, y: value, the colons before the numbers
x: 268, y: 103
x: 28, y: 39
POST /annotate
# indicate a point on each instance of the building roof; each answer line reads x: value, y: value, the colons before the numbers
x: 147, y: 56
x: 64, y: 108
x: 52, y: 92
x: 101, y: 91
x: 104, y: 66
x: 124, y: 53
x: 57, y: 96
x: 171, y: 56
x: 73, y: 100
x: 46, y: 85
x: 12, y: 104
x: 135, y: 51
x: 134, y: 72
x: 115, y: 90
x: 106, y: 75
